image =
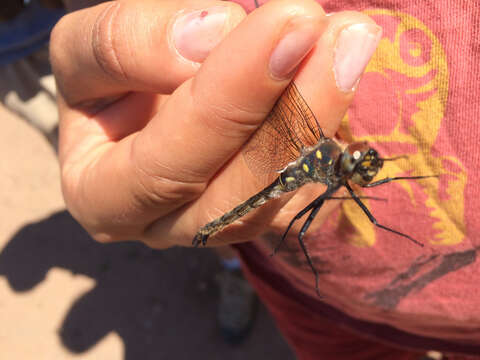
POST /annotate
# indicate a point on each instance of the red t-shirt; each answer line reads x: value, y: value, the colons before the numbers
x: 418, y: 97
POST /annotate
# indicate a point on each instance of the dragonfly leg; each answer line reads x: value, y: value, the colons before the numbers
x: 360, y: 197
x: 317, y: 203
x: 372, y: 218
x: 200, y: 239
x: 389, y: 179
x: 304, y: 229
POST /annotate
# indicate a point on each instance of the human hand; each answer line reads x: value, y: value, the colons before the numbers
x: 150, y: 141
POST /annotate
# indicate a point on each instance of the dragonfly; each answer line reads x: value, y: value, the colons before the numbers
x: 289, y: 131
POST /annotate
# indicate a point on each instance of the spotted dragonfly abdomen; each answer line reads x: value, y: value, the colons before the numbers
x: 272, y: 191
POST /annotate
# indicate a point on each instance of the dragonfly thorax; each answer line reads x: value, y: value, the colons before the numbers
x: 360, y: 163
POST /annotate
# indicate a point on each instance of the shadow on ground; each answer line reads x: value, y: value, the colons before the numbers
x: 161, y: 303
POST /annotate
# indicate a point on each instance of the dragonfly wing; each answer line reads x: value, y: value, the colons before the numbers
x: 290, y: 127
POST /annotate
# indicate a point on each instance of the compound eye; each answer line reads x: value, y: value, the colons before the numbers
x: 367, y: 178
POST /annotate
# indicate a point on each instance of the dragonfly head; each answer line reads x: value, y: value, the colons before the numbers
x: 361, y: 162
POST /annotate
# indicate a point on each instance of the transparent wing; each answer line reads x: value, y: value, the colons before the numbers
x: 289, y: 127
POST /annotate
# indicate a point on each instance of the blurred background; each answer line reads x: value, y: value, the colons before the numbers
x: 62, y: 295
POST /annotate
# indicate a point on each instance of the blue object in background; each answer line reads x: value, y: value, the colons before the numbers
x: 27, y: 32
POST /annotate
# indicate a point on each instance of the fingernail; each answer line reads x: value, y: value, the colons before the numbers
x: 291, y: 49
x: 195, y: 34
x: 354, y: 48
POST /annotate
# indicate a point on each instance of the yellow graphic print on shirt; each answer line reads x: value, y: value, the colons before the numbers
x: 413, y: 64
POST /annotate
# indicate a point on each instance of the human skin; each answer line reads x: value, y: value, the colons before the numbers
x: 151, y: 143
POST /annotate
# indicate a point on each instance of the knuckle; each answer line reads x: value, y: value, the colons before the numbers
x: 159, y: 185
x: 105, y: 42
x: 230, y: 119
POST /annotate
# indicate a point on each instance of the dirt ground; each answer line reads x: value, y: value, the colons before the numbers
x: 64, y: 296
